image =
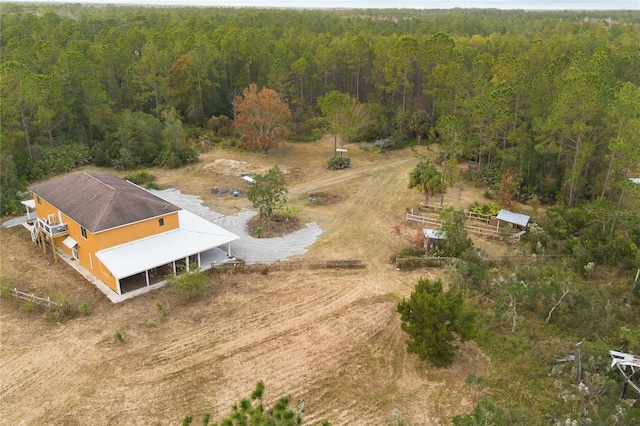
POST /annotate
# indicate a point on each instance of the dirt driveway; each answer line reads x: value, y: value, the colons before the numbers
x: 331, y: 337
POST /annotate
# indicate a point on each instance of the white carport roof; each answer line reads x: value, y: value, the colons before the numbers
x: 195, y: 235
x: 29, y: 203
x: 511, y: 217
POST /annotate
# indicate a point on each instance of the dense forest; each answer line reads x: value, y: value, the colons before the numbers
x: 546, y: 103
x: 552, y: 96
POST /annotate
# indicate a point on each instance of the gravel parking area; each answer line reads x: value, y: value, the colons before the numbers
x: 248, y: 248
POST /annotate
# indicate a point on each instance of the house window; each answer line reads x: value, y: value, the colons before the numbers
x: 83, y: 232
x: 39, y: 200
x: 74, y: 251
x: 161, y: 221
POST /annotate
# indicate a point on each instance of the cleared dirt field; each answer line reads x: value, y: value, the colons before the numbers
x: 330, y: 337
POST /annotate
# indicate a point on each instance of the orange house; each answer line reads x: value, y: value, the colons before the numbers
x: 123, y: 234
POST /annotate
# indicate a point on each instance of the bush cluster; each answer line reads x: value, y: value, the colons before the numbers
x: 338, y: 162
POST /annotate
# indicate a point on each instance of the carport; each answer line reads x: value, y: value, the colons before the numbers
x: 198, y: 243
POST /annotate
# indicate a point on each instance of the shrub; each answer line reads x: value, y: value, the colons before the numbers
x: 488, y: 208
x: 408, y: 252
x: 64, y: 310
x: 338, y: 162
x: 189, y: 284
x: 84, y: 308
x: 485, y: 413
x: 60, y: 159
x: 120, y: 335
x: 141, y: 177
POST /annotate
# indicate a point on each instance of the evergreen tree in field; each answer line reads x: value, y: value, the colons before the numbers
x: 247, y: 414
x: 435, y: 320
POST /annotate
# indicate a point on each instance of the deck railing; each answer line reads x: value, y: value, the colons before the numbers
x: 53, y: 228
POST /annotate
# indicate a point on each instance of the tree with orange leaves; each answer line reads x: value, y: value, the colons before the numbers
x: 262, y: 118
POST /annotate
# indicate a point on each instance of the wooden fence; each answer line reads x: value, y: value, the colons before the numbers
x: 468, y: 214
x: 289, y: 265
x: 409, y: 263
x: 482, y: 231
x: 423, y: 219
x: 20, y: 295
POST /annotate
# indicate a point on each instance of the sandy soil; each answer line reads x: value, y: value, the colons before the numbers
x: 330, y: 337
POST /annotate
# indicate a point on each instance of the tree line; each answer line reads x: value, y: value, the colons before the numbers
x: 551, y: 97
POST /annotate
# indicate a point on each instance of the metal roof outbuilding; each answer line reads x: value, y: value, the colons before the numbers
x: 511, y: 217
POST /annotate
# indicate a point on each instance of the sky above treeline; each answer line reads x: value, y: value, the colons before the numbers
x: 378, y: 4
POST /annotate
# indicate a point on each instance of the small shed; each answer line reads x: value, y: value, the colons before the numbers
x: 433, y: 237
x: 516, y: 220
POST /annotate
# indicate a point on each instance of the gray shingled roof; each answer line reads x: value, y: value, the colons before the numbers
x: 100, y: 201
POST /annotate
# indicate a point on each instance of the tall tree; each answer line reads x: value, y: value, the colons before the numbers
x: 344, y: 115
x: 401, y: 67
x: 450, y: 134
x: 20, y: 100
x: 149, y: 77
x: 300, y: 69
x: 623, y: 116
x: 575, y: 124
x: 89, y: 106
x: 262, y: 118
x: 446, y: 79
x: 176, y: 149
x: 194, y: 82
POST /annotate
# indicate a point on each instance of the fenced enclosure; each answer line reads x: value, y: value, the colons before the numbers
x: 489, y: 231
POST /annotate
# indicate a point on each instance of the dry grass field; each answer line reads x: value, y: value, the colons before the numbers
x: 331, y: 337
